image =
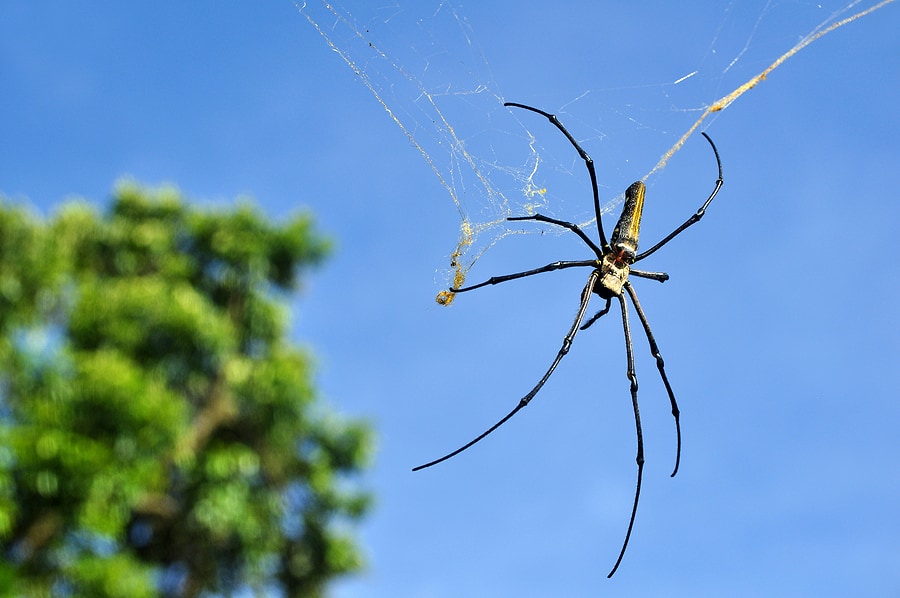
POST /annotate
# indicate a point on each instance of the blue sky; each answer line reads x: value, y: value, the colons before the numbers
x: 779, y: 326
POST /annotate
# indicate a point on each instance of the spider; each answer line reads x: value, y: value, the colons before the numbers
x: 611, y: 267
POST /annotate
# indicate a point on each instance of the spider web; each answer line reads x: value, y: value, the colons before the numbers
x: 424, y: 65
x: 428, y: 72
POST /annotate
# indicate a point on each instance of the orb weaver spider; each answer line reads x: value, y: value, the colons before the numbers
x: 611, y: 267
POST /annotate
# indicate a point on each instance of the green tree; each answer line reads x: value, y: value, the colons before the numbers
x: 159, y: 435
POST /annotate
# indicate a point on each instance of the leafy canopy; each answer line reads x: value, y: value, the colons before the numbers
x: 159, y: 435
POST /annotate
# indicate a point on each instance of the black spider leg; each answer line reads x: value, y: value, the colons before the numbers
x: 572, y: 227
x: 588, y: 161
x: 597, y: 315
x: 661, y: 366
x: 567, y: 343
x: 632, y: 377
x: 560, y: 265
x: 695, y: 218
x: 657, y: 276
x: 548, y: 268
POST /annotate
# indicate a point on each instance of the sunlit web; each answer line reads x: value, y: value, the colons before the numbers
x: 424, y: 66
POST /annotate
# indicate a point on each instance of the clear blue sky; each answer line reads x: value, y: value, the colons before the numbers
x: 779, y: 326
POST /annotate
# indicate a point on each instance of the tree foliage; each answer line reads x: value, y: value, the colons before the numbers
x: 158, y: 433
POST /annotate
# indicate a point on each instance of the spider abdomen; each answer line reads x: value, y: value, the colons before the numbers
x: 625, y: 236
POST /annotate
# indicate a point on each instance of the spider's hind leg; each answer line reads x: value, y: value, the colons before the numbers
x: 632, y: 378
x: 563, y: 350
x: 661, y: 366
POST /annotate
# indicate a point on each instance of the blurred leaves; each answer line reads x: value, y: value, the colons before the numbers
x: 159, y: 435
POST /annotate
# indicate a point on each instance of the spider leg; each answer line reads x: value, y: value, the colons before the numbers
x: 657, y: 276
x: 695, y: 217
x: 548, y: 268
x: 572, y: 227
x: 588, y: 162
x: 661, y: 366
x: 567, y: 343
x: 632, y: 376
x: 597, y: 315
